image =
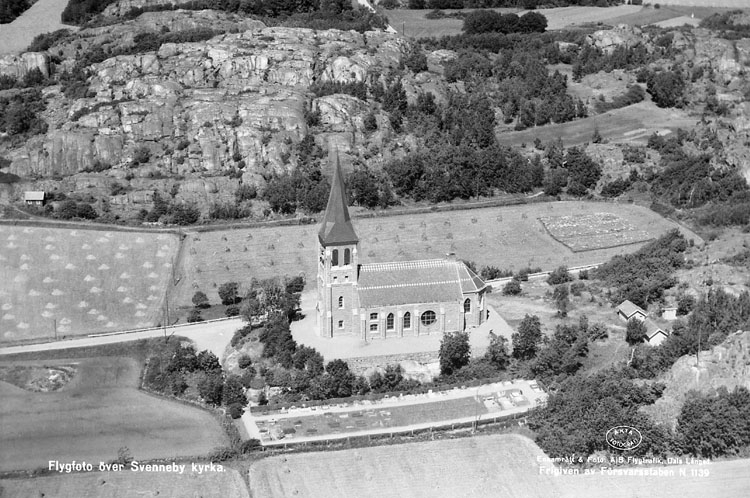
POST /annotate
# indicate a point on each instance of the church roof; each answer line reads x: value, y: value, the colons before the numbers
x: 414, y: 282
x: 470, y: 281
x: 337, y: 225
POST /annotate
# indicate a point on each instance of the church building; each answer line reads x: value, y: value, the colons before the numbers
x: 388, y: 300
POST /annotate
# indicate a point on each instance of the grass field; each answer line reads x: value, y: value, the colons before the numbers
x: 227, y: 484
x: 506, y: 237
x: 633, y: 124
x: 483, y: 466
x: 80, y: 281
x: 99, y: 411
x: 42, y: 17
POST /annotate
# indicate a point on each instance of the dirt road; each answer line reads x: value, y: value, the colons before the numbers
x: 213, y: 336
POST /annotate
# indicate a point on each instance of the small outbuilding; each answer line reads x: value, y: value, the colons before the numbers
x: 34, y: 197
x: 669, y: 313
x: 655, y: 335
x: 628, y: 310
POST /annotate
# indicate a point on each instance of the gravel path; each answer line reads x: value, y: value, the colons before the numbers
x: 42, y: 17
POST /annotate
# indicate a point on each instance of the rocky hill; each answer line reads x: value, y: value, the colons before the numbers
x: 726, y: 365
x: 194, y: 120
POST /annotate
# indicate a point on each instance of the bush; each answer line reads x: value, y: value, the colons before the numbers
x: 559, y: 276
x: 141, y: 155
x: 235, y: 410
x: 244, y: 361
x: 228, y: 293
x: 512, y: 288
x: 200, y: 300
x: 249, y: 445
x: 194, y: 316
x: 576, y: 288
x: 222, y: 454
x: 232, y: 311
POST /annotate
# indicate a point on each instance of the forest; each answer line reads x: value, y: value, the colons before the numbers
x: 10, y: 9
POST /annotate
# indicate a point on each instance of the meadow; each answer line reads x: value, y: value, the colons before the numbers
x: 509, y: 237
x: 98, y: 412
x: 499, y: 465
x: 632, y: 124
x: 67, y: 282
x: 128, y: 484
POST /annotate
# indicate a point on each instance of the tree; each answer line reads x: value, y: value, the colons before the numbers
x: 244, y: 361
x: 666, y: 88
x: 208, y: 362
x: 559, y: 276
x: 210, y: 388
x: 635, y: 332
x: 233, y: 392
x: 512, y: 288
x: 497, y: 352
x: 532, y: 22
x: 338, y: 381
x: 560, y: 295
x: 228, y: 293
x: 86, y: 211
x: 526, y: 340
x: 581, y: 168
x: 200, y: 300
x: 454, y: 353
x: 194, y: 316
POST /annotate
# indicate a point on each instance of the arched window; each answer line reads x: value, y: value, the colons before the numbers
x: 407, y: 320
x: 467, y: 305
x: 341, y: 301
x: 347, y: 257
x: 389, y: 322
x: 428, y: 318
x: 335, y: 257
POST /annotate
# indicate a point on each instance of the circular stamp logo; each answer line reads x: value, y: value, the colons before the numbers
x: 624, y: 437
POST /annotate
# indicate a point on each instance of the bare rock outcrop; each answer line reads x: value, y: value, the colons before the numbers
x: 726, y: 365
x: 619, y: 36
x: 18, y: 66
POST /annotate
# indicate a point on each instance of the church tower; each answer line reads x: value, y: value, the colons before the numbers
x: 337, y: 265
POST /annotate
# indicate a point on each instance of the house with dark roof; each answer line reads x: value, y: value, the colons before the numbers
x: 393, y: 299
x: 628, y: 310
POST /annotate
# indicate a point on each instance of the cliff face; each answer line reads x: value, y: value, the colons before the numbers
x: 235, y: 103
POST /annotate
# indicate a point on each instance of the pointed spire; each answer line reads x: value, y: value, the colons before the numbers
x: 337, y: 225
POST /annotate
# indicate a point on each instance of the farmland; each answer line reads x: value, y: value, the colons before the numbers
x: 506, y: 237
x: 99, y: 411
x: 227, y: 484
x: 498, y: 465
x: 80, y: 281
x: 634, y: 123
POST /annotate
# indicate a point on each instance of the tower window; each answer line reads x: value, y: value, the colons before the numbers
x: 335, y: 257
x: 341, y: 324
x: 428, y: 318
x: 407, y: 320
x: 467, y: 305
x: 347, y: 257
x: 341, y: 301
x: 389, y: 322
x: 373, y: 327
x: 373, y: 316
